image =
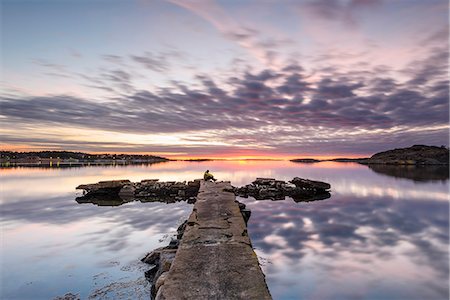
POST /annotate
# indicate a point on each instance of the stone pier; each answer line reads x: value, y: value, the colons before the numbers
x: 215, y: 259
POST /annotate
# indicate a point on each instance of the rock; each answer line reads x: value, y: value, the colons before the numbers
x: 148, y: 190
x: 264, y: 181
x: 289, y: 187
x: 310, y: 184
x: 246, y: 213
x: 162, y: 259
x: 160, y: 282
x: 195, y: 183
x: 127, y: 191
x: 180, y: 230
x: 150, y: 273
x: 149, y: 181
x: 104, y: 187
x: 152, y: 257
x: 272, y: 189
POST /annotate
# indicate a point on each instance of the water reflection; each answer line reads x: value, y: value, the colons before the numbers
x: 377, y: 237
x: 102, y: 200
x: 55, y: 246
x: 375, y: 244
x: 413, y: 172
x: 64, y: 165
x: 115, y: 200
x: 316, y: 197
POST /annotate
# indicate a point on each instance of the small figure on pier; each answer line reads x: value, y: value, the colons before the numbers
x: 208, y: 176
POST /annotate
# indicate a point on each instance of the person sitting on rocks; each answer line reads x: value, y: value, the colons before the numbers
x: 208, y: 176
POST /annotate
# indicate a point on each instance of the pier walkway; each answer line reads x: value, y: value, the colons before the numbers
x: 215, y: 259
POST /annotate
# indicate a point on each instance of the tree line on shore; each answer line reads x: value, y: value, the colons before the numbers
x: 66, y: 155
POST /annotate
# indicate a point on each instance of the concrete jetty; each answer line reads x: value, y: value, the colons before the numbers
x: 212, y: 256
x: 215, y: 258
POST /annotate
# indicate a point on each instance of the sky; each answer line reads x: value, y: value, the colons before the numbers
x: 209, y: 78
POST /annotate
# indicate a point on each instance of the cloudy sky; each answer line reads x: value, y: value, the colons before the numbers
x: 209, y: 78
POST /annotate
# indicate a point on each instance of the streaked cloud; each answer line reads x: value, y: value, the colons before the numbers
x: 308, y: 77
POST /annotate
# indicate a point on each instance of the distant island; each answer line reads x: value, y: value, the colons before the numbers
x: 313, y: 160
x: 306, y: 160
x: 76, y: 158
x: 414, y: 155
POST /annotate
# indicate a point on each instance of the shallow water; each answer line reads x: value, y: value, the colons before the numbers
x: 377, y: 237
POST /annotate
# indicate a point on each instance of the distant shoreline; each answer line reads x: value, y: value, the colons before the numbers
x: 414, y: 155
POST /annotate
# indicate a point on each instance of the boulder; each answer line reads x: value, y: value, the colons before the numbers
x: 104, y: 187
x: 127, y: 191
x: 264, y: 181
x: 310, y: 184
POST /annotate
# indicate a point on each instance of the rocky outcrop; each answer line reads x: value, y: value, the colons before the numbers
x: 117, y: 192
x: 110, y: 187
x: 298, y: 188
x: 161, y: 260
x: 415, y: 155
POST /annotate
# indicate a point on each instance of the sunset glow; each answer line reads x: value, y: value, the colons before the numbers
x: 225, y: 79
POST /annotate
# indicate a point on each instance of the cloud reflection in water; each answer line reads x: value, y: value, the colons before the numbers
x: 351, y: 247
x: 376, y: 237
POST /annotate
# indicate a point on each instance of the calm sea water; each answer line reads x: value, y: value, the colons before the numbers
x: 383, y: 234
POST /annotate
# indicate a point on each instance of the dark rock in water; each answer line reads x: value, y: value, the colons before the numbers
x: 117, y: 192
x: 104, y: 187
x: 415, y: 155
x: 162, y: 259
x: 127, y: 191
x: 180, y: 230
x: 310, y: 184
x: 246, y: 213
x: 152, y: 258
x: 298, y: 188
x: 150, y: 273
x: 264, y: 181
